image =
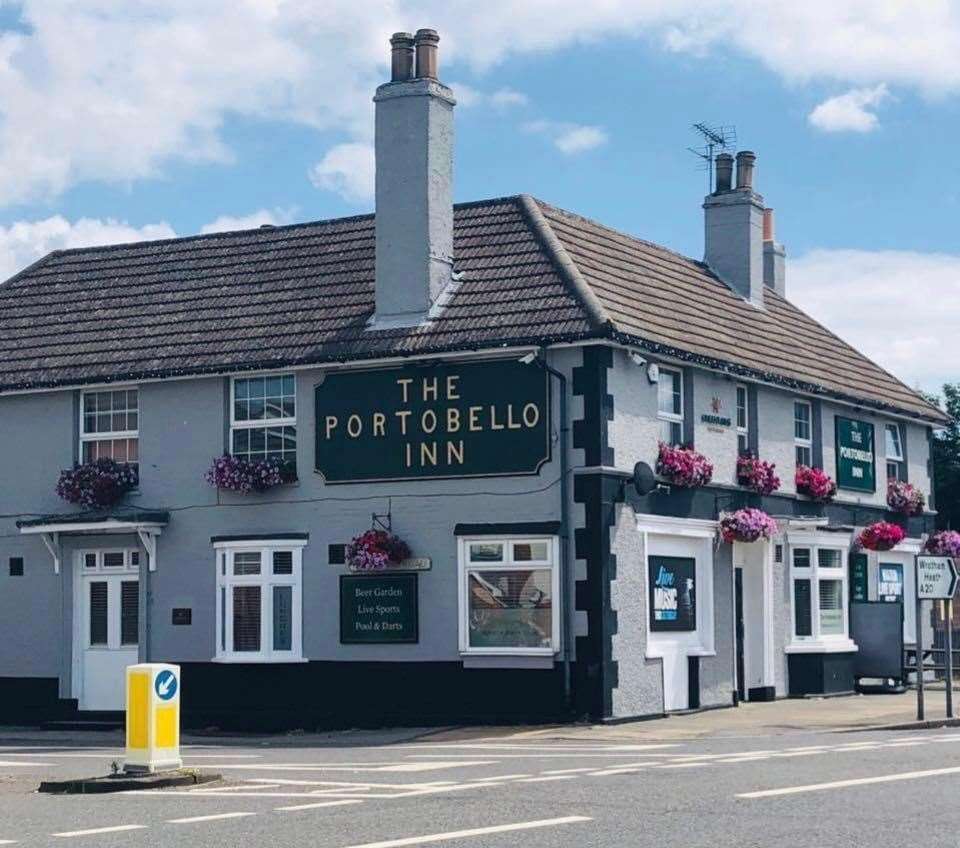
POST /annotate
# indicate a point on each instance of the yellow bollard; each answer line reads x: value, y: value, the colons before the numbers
x: 153, y: 718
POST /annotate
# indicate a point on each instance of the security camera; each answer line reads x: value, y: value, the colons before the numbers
x: 528, y: 358
x: 637, y: 359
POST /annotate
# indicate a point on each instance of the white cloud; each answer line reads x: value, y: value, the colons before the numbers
x: 568, y: 138
x: 467, y: 96
x: 900, y: 308
x: 348, y: 170
x: 102, y: 90
x: 24, y: 242
x: 850, y: 112
x: 224, y: 223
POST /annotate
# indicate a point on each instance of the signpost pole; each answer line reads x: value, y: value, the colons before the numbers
x: 949, y: 663
x: 918, y: 630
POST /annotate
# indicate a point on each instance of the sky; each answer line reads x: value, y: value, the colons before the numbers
x: 131, y: 119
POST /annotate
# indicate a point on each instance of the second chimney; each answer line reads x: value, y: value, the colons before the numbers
x: 414, y: 183
x: 774, y: 257
x: 733, y: 228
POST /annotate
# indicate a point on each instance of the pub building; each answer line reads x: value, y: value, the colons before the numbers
x: 437, y: 464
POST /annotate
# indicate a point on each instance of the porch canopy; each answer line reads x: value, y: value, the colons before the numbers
x: 147, y: 524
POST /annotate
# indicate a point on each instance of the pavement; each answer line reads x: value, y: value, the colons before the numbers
x: 788, y: 773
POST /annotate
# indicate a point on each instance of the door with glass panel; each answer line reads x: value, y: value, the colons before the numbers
x: 106, y: 627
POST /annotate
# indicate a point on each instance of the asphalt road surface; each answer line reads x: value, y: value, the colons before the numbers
x: 795, y: 789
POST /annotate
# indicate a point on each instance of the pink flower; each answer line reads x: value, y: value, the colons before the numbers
x: 944, y: 543
x: 375, y: 549
x: 905, y: 498
x: 882, y: 536
x: 97, y: 484
x: 758, y: 475
x: 815, y: 484
x: 747, y: 525
x: 684, y: 467
x: 236, y: 474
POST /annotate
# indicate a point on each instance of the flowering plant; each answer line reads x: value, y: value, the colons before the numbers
x: 757, y: 474
x: 882, y: 536
x: 684, y: 467
x: 815, y: 483
x: 97, y: 484
x: 904, y: 498
x: 944, y: 543
x: 375, y: 550
x: 746, y: 525
x: 243, y: 475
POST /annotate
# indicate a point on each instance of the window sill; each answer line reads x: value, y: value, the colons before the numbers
x: 506, y: 653
x: 258, y: 660
x: 539, y: 661
x: 839, y: 646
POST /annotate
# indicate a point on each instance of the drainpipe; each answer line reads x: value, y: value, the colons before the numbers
x: 566, y: 596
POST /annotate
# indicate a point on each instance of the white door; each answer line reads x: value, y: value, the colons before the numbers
x: 752, y: 559
x: 109, y: 622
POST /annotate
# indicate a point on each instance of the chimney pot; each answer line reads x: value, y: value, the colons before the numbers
x: 401, y: 57
x: 768, y: 224
x: 724, y: 172
x: 745, y: 161
x: 426, y: 41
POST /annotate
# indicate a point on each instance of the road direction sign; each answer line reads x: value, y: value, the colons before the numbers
x: 936, y: 577
x: 166, y: 685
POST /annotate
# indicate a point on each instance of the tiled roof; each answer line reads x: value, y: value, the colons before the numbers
x: 527, y: 274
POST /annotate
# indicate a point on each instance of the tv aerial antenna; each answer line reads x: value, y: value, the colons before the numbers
x: 716, y: 139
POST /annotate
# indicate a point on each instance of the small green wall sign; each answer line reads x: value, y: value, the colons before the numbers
x: 858, y: 577
x: 378, y: 609
x: 856, y: 459
x: 479, y: 419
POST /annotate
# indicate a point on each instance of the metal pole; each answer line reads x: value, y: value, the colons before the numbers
x: 949, y: 662
x: 919, y: 640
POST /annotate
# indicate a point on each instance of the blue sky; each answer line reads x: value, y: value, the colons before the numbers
x: 136, y: 119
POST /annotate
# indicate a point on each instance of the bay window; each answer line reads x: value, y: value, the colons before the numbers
x: 670, y: 406
x: 819, y: 594
x: 259, y: 601
x: 508, y: 592
x: 110, y: 426
x: 263, y: 419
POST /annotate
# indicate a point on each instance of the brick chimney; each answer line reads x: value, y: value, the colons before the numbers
x: 774, y: 257
x: 414, y: 183
x: 733, y: 234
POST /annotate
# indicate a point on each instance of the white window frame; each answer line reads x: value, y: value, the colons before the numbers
x: 266, y: 580
x: 807, y: 443
x: 671, y: 417
x: 817, y: 642
x: 465, y: 567
x: 896, y: 459
x: 263, y: 423
x: 743, y: 432
x: 112, y: 435
x: 128, y: 567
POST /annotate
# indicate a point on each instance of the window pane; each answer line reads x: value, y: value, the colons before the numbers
x: 831, y: 607
x: 827, y: 558
x: 241, y: 442
x: 802, y: 620
x: 129, y: 613
x: 510, y: 609
x: 134, y: 557
x: 240, y: 389
x: 669, y: 393
x: 98, y: 613
x: 223, y: 618
x: 804, y: 456
x: 801, y: 558
x: 893, y: 470
x: 246, y: 618
x: 486, y: 552
x: 671, y: 432
x: 288, y: 385
x: 742, y: 444
x: 528, y: 551
x: 282, y: 618
x: 113, y: 559
x: 801, y: 421
x: 741, y: 407
x: 894, y: 449
x: 283, y: 562
x: 246, y: 563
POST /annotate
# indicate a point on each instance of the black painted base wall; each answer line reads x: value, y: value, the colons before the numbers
x: 31, y: 700
x: 820, y: 674
x: 331, y: 695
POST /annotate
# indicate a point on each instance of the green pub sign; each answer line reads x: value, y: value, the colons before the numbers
x: 856, y: 457
x: 478, y: 419
x: 378, y: 608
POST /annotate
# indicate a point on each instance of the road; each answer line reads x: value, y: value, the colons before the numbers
x: 487, y: 791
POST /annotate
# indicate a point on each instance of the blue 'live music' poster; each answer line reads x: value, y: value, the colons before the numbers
x: 673, y: 597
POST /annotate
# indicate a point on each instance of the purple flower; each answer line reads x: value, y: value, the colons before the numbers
x: 97, y: 484
x: 236, y: 474
x: 747, y: 525
x: 684, y: 467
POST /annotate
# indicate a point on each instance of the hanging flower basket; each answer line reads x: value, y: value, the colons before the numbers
x: 97, y: 484
x: 376, y: 550
x: 747, y: 525
x: 905, y: 498
x: 757, y: 474
x: 944, y: 543
x: 684, y: 467
x: 235, y: 474
x: 815, y: 484
x: 882, y: 536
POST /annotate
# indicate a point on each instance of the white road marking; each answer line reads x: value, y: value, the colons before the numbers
x: 358, y: 767
x: 214, y: 817
x: 22, y: 764
x: 296, y: 807
x: 94, y: 831
x: 477, y: 831
x: 286, y: 781
x: 498, y: 777
x: 487, y: 746
x: 565, y: 771
x: 219, y: 789
x: 8, y: 841
x: 840, y: 784
x: 607, y: 772
x: 547, y: 779
x: 692, y: 765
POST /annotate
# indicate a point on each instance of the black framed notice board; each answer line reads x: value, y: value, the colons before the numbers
x: 379, y: 609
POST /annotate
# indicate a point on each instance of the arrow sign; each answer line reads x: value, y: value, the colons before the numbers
x: 936, y: 577
x: 165, y: 685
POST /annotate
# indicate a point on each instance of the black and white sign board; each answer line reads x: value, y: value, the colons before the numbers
x: 936, y: 578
